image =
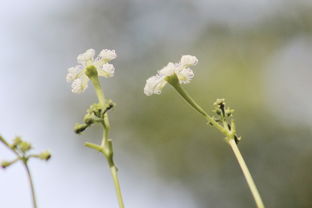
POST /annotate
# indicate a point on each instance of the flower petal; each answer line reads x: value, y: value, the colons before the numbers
x: 80, y: 85
x: 154, y: 85
x: 107, y: 55
x: 107, y: 70
x: 188, y: 60
x: 185, y: 75
x: 73, y: 73
x: 168, y: 70
x: 86, y: 58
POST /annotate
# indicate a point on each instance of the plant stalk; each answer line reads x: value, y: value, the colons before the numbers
x: 117, y: 186
x: 248, y: 177
x: 33, y: 194
x: 106, y: 144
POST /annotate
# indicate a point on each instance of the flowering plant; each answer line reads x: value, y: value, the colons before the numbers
x: 179, y: 73
x: 91, y: 68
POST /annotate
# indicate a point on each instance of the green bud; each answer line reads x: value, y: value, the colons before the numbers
x: 219, y: 102
x: 5, y: 164
x: 95, y: 109
x: 25, y: 146
x: 217, y: 111
x: 237, y: 139
x: 91, y: 71
x: 17, y: 141
x: 109, y: 105
x: 45, y: 155
x: 80, y: 128
x: 88, y: 119
x: 229, y: 112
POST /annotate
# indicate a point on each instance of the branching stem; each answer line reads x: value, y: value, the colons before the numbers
x: 24, y: 160
x: 229, y: 134
x: 106, y: 145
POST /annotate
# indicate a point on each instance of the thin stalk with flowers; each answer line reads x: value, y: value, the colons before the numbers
x: 179, y: 73
x: 91, y: 68
x: 21, y: 150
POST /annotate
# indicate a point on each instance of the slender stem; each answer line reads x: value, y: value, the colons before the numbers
x: 199, y: 109
x: 98, y: 89
x: 117, y: 186
x: 106, y: 144
x: 5, y: 142
x: 31, y: 184
x: 8, y: 145
x: 247, y: 174
x: 188, y: 98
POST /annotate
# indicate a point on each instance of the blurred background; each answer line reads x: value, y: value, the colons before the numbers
x: 256, y: 54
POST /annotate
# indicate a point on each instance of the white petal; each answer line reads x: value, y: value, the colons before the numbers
x: 154, y: 85
x: 87, y: 57
x: 107, y: 70
x: 80, y: 85
x: 168, y: 70
x: 188, y: 60
x: 107, y: 55
x: 77, y: 86
x: 185, y: 75
x: 73, y: 73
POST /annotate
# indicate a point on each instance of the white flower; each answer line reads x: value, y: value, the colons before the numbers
x: 77, y: 75
x: 155, y: 83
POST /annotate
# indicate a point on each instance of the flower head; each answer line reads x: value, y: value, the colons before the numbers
x: 184, y: 74
x: 77, y: 75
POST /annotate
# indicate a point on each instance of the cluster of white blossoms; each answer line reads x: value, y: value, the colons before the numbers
x: 155, y: 83
x: 77, y: 75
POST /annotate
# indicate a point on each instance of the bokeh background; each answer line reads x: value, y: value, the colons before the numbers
x: 256, y: 54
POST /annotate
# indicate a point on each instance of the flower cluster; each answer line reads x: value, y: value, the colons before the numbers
x: 184, y: 74
x: 95, y: 114
x: 22, y: 148
x: 77, y: 75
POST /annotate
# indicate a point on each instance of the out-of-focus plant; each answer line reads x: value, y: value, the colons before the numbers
x: 21, y: 150
x: 179, y: 73
x: 91, y: 68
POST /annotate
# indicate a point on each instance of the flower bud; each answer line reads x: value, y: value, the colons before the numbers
x: 237, y: 139
x: 5, y: 164
x: 45, y: 155
x: 95, y: 109
x: 88, y: 119
x: 80, y: 128
x: 25, y: 146
x: 229, y: 112
x: 16, y: 142
x: 91, y: 71
x: 219, y: 102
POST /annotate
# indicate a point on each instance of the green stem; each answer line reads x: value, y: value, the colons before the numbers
x: 190, y: 100
x: 98, y: 89
x: 5, y: 142
x: 248, y: 177
x: 199, y: 109
x: 31, y: 184
x: 8, y: 145
x: 117, y: 186
x: 106, y: 145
